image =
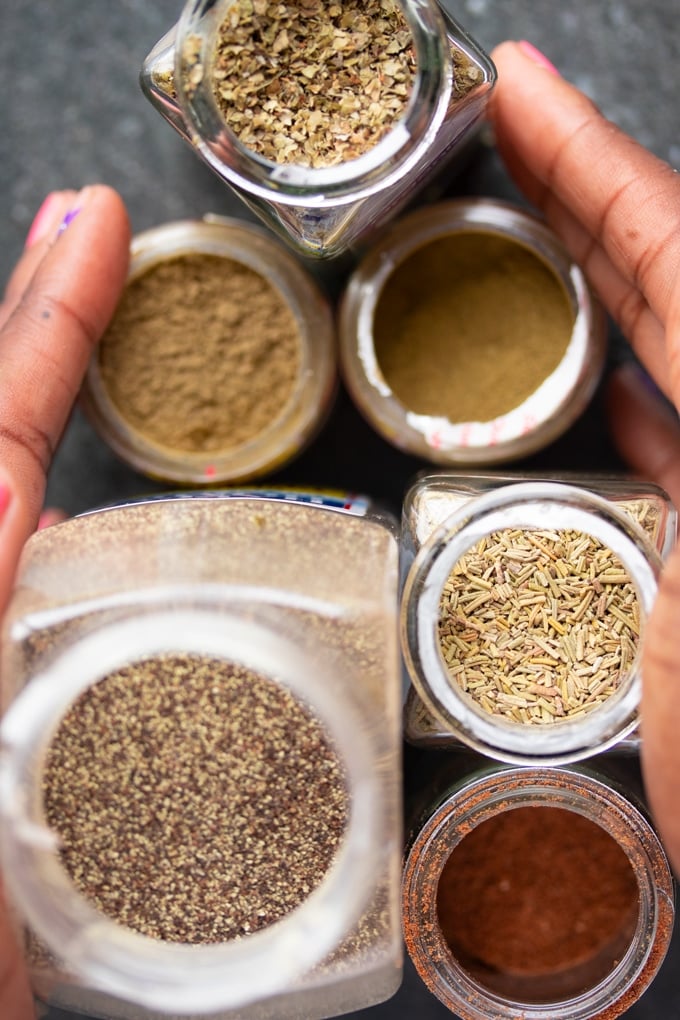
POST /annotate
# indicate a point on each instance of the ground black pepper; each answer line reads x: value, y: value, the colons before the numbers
x: 196, y: 801
x: 469, y: 325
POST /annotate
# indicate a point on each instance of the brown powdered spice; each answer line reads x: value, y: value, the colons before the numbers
x: 195, y: 801
x: 202, y: 355
x: 468, y: 326
x: 534, y: 891
x: 311, y: 82
x: 539, y: 626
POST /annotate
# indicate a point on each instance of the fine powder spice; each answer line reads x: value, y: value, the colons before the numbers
x: 468, y: 327
x: 535, y: 891
x: 538, y: 626
x: 311, y: 82
x: 202, y: 355
x: 195, y: 801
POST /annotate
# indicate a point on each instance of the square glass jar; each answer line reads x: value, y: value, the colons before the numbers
x: 444, y: 515
x: 265, y: 581
x: 324, y: 211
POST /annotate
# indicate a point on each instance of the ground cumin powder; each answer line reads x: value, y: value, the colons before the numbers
x: 202, y: 354
x: 536, y: 891
x: 468, y: 326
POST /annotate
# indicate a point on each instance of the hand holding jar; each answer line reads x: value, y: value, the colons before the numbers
x: 617, y: 208
x: 59, y: 299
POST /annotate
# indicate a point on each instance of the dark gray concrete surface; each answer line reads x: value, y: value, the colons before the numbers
x: 72, y: 113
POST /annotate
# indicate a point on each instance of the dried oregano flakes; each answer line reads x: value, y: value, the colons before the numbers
x: 311, y: 82
x: 538, y: 627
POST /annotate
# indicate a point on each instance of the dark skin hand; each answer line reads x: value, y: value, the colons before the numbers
x: 58, y: 301
x: 617, y: 208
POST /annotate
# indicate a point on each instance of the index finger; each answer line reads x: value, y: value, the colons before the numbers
x: 625, y: 197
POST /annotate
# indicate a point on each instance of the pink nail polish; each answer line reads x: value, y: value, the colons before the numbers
x: 43, y: 220
x: 539, y: 58
x: 5, y: 497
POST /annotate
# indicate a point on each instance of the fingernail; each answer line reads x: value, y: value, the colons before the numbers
x: 49, y: 517
x: 539, y: 58
x: 43, y: 220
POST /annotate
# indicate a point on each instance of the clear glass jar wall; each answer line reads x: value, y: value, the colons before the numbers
x: 265, y: 582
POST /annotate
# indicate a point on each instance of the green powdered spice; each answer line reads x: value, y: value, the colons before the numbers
x: 468, y: 326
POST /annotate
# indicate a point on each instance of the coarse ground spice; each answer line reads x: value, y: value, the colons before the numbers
x: 538, y: 626
x: 468, y: 326
x: 203, y: 354
x: 311, y: 82
x: 535, y: 891
x: 195, y: 801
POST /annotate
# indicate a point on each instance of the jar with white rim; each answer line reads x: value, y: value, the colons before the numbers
x: 519, y: 658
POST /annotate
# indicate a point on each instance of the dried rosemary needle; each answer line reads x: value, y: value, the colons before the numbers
x: 538, y: 626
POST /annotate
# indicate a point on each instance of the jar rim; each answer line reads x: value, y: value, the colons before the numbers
x: 345, y: 183
x: 538, y: 420
x: 545, y: 505
x: 121, y: 961
x: 309, y: 402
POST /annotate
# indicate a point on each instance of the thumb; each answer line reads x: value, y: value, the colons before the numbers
x: 646, y: 431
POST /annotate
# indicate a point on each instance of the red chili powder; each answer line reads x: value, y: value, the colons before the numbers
x: 534, y: 891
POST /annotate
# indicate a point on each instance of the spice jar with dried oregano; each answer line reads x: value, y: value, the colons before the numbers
x: 219, y: 364
x: 533, y: 893
x: 468, y: 335
x: 524, y: 609
x: 199, y: 774
x: 325, y: 117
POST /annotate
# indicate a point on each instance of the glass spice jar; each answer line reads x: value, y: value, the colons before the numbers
x: 192, y: 409
x: 325, y: 210
x: 533, y: 893
x: 533, y: 672
x: 127, y: 626
x: 468, y: 335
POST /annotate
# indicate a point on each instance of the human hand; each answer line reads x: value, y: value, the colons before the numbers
x: 58, y: 301
x: 617, y: 209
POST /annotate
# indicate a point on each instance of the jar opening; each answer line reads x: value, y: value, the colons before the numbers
x: 207, y: 89
x: 195, y: 800
x: 507, y: 679
x: 538, y: 904
x: 539, y: 626
x: 469, y: 325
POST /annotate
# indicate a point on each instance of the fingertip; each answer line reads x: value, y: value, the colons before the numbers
x: 537, y: 56
x: 48, y: 217
x: 644, y: 426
